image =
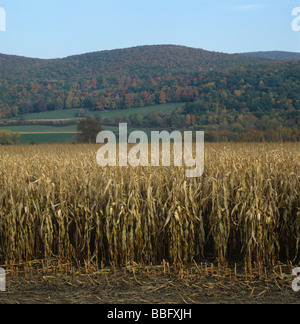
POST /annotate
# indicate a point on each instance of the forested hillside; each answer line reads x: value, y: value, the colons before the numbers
x: 275, y: 55
x: 219, y: 92
x: 106, y: 80
x: 257, y: 102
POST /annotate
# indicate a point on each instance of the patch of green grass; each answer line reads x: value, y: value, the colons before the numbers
x: 39, y: 128
x: 57, y: 114
x: 143, y: 111
x: 46, y: 138
x: 111, y: 114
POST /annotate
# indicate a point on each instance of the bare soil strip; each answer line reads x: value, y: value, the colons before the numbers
x: 148, y: 285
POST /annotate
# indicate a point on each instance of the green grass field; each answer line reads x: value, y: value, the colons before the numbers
x: 40, y: 129
x: 143, y: 111
x: 57, y: 114
x: 111, y: 115
x: 47, y: 138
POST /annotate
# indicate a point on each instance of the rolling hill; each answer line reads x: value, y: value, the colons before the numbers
x: 34, y: 85
x: 275, y: 55
x: 141, y: 61
x: 220, y: 92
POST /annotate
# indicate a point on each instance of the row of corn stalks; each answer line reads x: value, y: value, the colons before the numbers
x: 55, y: 201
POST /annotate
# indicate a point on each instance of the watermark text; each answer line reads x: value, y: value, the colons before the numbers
x: 2, y: 20
x: 296, y: 282
x: 154, y: 153
x: 296, y: 21
x: 2, y: 280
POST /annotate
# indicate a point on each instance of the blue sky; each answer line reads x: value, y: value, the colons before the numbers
x: 52, y: 28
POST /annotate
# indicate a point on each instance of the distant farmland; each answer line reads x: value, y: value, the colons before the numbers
x: 51, y: 134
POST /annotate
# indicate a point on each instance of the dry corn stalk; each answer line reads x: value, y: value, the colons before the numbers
x: 56, y: 202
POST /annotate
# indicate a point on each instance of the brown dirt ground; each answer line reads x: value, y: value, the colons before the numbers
x: 155, y: 285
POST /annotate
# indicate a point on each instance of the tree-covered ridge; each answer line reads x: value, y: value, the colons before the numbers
x: 102, y: 80
x: 133, y: 62
x: 275, y: 55
x: 220, y: 92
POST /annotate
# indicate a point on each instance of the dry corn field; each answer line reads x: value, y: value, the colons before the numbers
x: 56, y: 202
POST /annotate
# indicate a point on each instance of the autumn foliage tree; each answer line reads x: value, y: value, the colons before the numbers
x: 88, y: 129
x: 8, y: 138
